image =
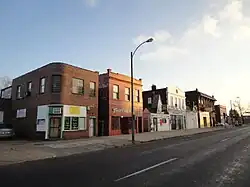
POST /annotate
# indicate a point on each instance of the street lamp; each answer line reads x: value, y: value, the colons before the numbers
x: 132, y: 87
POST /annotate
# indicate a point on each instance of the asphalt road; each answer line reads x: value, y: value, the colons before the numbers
x: 214, y: 159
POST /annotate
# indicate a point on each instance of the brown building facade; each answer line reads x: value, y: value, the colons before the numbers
x: 204, y: 105
x: 115, y: 104
x: 221, y: 113
x: 57, y: 100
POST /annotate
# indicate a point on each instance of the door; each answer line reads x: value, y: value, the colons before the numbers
x: 155, y: 123
x: 205, y: 121
x: 55, y: 127
x: 91, y: 127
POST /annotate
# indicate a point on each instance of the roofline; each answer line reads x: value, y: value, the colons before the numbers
x: 50, y: 63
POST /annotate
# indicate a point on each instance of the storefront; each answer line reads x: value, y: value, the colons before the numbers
x: 159, y: 122
x: 65, y: 122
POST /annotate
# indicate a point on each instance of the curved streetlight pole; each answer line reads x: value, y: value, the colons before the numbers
x: 132, y: 87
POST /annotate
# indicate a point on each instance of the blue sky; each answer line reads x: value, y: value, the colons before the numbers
x: 198, y: 43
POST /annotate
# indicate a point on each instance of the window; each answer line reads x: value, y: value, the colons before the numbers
x: 179, y: 103
x: 115, y: 92
x: 137, y: 95
x: 164, y: 120
x: 56, y: 83
x: 29, y: 86
x: 115, y: 123
x: 149, y: 100
x: 18, y: 93
x: 77, y: 86
x: 127, y: 94
x: 42, y: 85
x: 92, y: 86
x: 74, y: 123
x: 176, y: 102
x: 171, y: 101
x: 183, y: 104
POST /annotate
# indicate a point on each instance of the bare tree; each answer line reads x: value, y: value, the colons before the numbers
x: 5, y: 81
x: 237, y: 105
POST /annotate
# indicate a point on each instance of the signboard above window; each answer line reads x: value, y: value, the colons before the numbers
x: 55, y: 110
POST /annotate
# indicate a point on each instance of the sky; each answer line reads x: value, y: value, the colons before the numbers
x: 200, y: 44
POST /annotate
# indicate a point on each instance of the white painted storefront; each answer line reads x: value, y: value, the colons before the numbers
x: 58, y: 114
x: 159, y: 122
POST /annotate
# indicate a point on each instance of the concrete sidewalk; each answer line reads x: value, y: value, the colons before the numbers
x: 21, y: 151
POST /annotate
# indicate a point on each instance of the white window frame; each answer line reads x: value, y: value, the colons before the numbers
x: 42, y: 85
x: 18, y: 95
x: 77, y: 84
x: 115, y: 92
x: 127, y: 94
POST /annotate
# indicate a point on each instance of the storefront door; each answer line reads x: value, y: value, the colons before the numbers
x: 91, y: 127
x: 55, y: 127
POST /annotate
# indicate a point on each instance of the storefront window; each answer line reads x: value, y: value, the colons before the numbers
x: 67, y: 123
x: 115, y: 123
x: 74, y: 123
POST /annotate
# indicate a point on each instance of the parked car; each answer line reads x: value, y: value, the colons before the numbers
x: 6, y: 131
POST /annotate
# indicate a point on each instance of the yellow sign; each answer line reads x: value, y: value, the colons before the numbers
x: 74, y: 110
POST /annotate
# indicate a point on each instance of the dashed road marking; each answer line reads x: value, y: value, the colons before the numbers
x: 146, y: 169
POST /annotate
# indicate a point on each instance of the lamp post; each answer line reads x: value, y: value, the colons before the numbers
x: 132, y: 87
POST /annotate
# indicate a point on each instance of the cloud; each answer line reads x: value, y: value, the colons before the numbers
x: 91, y: 3
x: 207, y: 34
x: 211, y: 53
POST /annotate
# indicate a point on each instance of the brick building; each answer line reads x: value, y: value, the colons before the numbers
x: 6, y: 106
x: 220, y: 113
x: 57, y: 100
x: 115, y: 104
x: 204, y: 105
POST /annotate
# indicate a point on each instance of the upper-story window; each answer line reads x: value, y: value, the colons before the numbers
x: 115, y: 92
x: 171, y: 101
x: 183, y: 104
x: 127, y: 94
x: 92, y: 87
x: 137, y: 95
x: 77, y: 86
x: 42, y: 85
x: 18, y: 93
x: 29, y: 86
x: 6, y: 93
x: 149, y: 100
x: 176, y: 104
x: 56, y: 83
x: 180, y: 104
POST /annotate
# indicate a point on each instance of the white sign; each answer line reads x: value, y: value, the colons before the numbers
x: 1, y: 116
x: 21, y: 113
x: 40, y: 125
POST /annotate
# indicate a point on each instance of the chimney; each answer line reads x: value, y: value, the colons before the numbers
x: 153, y: 87
x: 109, y: 70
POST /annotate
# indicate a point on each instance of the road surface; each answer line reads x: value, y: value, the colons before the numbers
x: 214, y: 159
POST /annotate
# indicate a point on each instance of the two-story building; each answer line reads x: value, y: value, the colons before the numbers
x: 173, y: 103
x: 115, y: 104
x: 57, y: 100
x: 220, y: 113
x: 204, y: 105
x: 6, y: 106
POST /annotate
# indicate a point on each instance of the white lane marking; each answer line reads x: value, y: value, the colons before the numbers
x: 225, y: 139
x: 146, y: 169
